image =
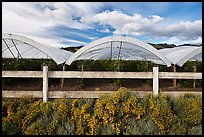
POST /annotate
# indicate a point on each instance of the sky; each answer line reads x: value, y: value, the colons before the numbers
x: 70, y: 24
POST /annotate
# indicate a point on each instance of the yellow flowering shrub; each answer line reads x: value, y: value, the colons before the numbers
x: 189, y: 109
x: 80, y: 116
x: 121, y: 113
x: 161, y: 113
x: 14, y: 110
x: 115, y: 109
x: 8, y: 118
x: 31, y: 114
x: 94, y: 125
x: 53, y: 126
x: 36, y: 128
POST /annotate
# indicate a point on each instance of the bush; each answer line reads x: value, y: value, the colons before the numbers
x: 122, y: 113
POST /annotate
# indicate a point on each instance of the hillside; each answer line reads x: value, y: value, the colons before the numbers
x: 157, y: 46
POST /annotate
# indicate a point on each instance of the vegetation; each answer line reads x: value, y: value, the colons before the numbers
x: 100, y: 65
x: 122, y: 113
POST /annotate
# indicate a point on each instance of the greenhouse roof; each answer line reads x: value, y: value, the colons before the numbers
x: 111, y: 47
x: 182, y: 54
x: 16, y: 46
x: 119, y: 47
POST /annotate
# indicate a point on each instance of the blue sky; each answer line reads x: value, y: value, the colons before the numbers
x: 65, y: 24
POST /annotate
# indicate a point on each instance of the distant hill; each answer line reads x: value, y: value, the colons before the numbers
x: 161, y: 46
x: 157, y: 46
x: 190, y: 45
x: 72, y: 49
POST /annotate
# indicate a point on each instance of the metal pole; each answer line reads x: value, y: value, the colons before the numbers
x: 45, y: 83
x: 155, y: 81
x: 119, y: 50
x: 111, y: 51
x: 8, y: 48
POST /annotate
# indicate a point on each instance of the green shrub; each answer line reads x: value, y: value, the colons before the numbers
x: 119, y: 82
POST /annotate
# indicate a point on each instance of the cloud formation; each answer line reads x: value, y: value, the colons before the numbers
x: 141, y: 26
x: 38, y: 20
x: 35, y: 19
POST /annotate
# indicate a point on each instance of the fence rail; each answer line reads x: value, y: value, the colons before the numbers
x: 45, y: 74
x: 82, y: 94
x: 102, y: 74
x: 180, y: 75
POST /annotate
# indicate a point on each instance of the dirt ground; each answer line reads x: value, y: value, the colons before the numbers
x: 90, y: 85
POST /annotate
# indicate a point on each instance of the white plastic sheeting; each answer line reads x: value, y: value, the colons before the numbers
x: 180, y: 55
x: 111, y: 47
x: 16, y: 46
x: 119, y: 47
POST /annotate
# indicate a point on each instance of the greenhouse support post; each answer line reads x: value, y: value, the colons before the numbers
x: 45, y: 83
x: 155, y: 81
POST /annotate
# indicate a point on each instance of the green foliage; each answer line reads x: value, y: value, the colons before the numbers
x: 66, y: 128
x: 149, y: 82
x: 99, y: 65
x: 120, y: 82
x: 95, y: 65
x: 143, y: 126
x: 9, y: 128
x: 189, y: 67
x: 189, y: 108
x: 82, y: 83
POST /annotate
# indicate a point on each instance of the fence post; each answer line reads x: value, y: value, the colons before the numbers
x: 45, y: 83
x: 62, y: 80
x: 174, y: 80
x: 194, y: 81
x: 155, y: 81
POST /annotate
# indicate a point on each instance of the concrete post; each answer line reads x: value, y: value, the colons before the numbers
x: 45, y: 83
x: 62, y: 81
x: 155, y: 81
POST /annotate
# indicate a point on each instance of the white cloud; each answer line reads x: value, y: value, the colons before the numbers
x: 92, y: 38
x: 156, y: 18
x: 13, y: 19
x: 178, y: 41
x: 36, y: 19
x: 54, y: 41
x: 140, y: 26
x: 105, y: 30
x: 76, y: 41
x: 186, y: 30
x: 125, y: 24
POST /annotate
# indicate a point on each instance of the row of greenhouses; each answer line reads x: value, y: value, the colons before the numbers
x: 107, y: 48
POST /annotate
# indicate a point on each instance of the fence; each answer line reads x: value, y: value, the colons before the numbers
x: 45, y: 74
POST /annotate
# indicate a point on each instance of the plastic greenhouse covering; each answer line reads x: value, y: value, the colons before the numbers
x: 119, y: 47
x: 182, y: 54
x: 107, y: 48
x: 16, y: 46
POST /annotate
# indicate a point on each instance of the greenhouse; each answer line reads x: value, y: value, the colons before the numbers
x: 107, y: 48
x: 180, y: 55
x: 119, y: 48
x: 16, y: 46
